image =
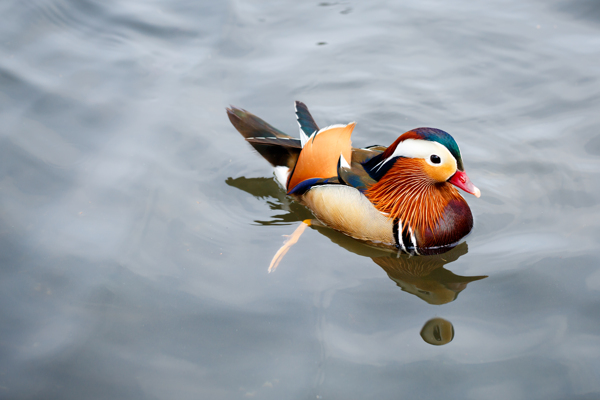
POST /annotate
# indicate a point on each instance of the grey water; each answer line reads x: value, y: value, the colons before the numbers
x: 137, y: 227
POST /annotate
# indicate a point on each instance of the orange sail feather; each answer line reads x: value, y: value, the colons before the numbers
x: 319, y: 157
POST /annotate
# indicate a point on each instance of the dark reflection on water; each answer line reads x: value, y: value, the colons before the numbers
x: 268, y: 189
x: 438, y: 332
x: 426, y: 277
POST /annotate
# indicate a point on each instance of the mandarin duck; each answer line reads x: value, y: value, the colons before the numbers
x: 402, y: 196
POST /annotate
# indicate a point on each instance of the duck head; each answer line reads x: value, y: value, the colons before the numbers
x: 416, y: 180
x: 433, y: 152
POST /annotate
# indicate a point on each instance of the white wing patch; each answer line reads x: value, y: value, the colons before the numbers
x: 332, y: 127
x: 281, y: 175
x: 343, y: 162
x: 303, y: 137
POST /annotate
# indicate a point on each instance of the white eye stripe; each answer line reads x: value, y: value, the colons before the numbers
x: 415, y: 148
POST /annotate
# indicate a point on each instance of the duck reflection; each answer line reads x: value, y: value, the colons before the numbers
x: 425, y: 276
x: 422, y: 276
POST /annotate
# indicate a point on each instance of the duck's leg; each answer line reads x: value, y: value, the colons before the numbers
x: 289, y: 242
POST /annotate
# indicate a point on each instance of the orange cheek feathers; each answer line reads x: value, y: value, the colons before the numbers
x: 439, y: 174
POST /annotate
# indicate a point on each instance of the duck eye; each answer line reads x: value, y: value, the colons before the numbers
x: 435, y: 159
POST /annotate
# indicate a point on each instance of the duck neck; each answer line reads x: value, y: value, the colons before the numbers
x: 406, y: 194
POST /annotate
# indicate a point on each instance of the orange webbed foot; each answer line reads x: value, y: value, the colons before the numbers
x: 289, y: 242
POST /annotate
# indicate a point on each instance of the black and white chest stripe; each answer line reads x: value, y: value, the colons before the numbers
x: 405, y: 238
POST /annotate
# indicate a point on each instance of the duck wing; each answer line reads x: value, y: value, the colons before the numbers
x: 355, y: 174
x: 320, y: 156
x: 275, y: 146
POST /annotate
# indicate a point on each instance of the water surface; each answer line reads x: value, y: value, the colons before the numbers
x: 136, y: 226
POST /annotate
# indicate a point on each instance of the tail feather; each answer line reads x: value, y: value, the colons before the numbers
x: 275, y: 146
x: 305, y: 120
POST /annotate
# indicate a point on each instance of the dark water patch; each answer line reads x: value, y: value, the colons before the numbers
x: 15, y: 89
x: 286, y: 210
x: 101, y: 23
x: 586, y: 10
x: 593, y: 146
x: 475, y: 376
x: 31, y: 176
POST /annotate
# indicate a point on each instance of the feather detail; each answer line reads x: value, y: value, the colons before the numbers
x: 392, y: 147
x: 319, y: 157
x: 303, y: 138
x: 406, y: 193
x: 307, y: 124
x: 275, y: 146
x: 354, y: 175
x: 343, y: 162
